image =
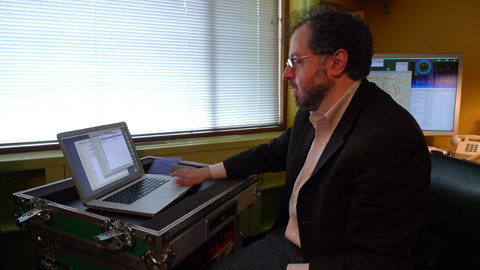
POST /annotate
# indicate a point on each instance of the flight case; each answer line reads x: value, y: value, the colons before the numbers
x: 187, y: 235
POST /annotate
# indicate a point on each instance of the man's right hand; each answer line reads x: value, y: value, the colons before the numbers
x: 192, y: 176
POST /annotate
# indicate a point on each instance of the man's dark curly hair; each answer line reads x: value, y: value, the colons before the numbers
x: 333, y: 28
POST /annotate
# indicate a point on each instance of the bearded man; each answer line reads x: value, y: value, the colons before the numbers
x: 357, y: 165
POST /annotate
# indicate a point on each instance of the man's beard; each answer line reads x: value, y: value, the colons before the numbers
x: 313, y: 95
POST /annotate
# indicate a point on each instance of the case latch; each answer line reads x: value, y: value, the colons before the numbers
x: 38, y: 214
x: 118, y: 235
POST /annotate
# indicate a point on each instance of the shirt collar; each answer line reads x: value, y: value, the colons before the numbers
x: 335, y: 113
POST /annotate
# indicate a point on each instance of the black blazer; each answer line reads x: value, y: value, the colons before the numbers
x: 363, y: 205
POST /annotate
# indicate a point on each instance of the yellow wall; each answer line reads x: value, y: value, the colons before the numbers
x: 432, y: 26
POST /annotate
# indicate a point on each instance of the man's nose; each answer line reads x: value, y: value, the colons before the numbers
x: 288, y: 73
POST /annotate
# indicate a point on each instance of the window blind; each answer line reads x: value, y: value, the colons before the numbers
x: 161, y: 66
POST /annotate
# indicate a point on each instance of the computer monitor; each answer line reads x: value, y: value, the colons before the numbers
x: 427, y: 85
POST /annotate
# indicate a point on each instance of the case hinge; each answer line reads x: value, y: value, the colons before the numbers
x: 166, y: 259
x: 117, y: 235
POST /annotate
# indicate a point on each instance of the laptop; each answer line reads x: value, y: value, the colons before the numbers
x: 105, y: 165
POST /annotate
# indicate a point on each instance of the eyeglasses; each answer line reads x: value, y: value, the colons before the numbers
x: 291, y: 62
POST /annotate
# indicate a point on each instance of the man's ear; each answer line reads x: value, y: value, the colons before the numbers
x: 340, y: 60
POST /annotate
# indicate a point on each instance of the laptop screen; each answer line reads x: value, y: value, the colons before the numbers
x: 101, y: 158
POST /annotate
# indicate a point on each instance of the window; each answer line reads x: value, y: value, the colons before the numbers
x: 162, y: 66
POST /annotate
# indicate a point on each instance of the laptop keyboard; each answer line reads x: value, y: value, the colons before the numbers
x: 136, y: 191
